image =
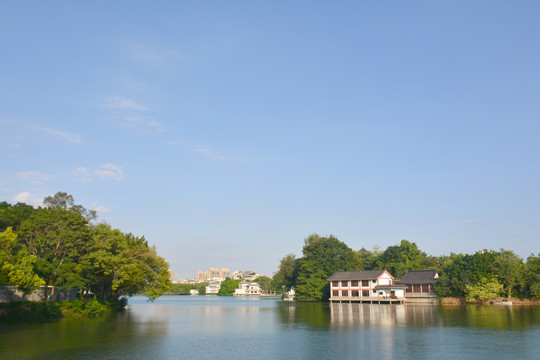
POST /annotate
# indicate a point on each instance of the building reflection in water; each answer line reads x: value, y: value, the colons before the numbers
x: 382, y: 314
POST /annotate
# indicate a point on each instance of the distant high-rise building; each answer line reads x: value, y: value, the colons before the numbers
x: 213, y: 274
x: 171, y: 275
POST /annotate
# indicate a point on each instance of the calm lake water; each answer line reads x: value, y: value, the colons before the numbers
x: 209, y: 327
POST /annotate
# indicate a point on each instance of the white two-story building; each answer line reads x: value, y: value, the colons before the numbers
x: 365, y: 286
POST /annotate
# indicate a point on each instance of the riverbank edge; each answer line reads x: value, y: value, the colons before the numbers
x: 449, y: 301
x: 42, y: 311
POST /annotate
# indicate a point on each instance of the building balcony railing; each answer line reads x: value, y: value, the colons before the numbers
x: 365, y: 298
x: 429, y: 294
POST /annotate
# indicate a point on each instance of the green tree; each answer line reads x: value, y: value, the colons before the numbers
x: 483, y: 290
x: 228, y: 287
x: 509, y: 268
x: 57, y: 238
x: 265, y: 283
x: 532, y: 280
x: 17, y: 268
x: 13, y: 215
x: 119, y: 264
x: 458, y: 270
x: 285, y: 278
x: 400, y: 258
x: 369, y: 259
x: 323, y: 256
x: 65, y: 201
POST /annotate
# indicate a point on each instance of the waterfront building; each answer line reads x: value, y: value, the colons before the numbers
x: 248, y: 289
x: 373, y: 286
x: 242, y: 289
x: 419, y: 285
x: 289, y: 296
x: 171, y: 275
x: 213, y: 288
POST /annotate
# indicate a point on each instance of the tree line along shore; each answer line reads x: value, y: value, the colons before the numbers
x: 61, y: 246
x: 484, y: 275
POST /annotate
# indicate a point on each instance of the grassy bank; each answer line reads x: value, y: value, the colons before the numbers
x: 39, y: 311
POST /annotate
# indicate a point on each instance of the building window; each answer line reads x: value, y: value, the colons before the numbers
x: 344, y: 284
x: 354, y: 293
x: 335, y: 293
x: 344, y: 292
x: 365, y: 292
x: 354, y: 283
x: 374, y: 281
x: 374, y: 291
x: 365, y: 283
x: 335, y: 283
x: 409, y: 289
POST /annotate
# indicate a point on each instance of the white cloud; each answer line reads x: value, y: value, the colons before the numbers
x: 28, y: 198
x: 82, y: 174
x: 152, y: 56
x: 205, y: 151
x: 100, y: 209
x: 136, y: 120
x: 120, y: 102
x: 34, y: 177
x: 72, y: 138
x: 110, y: 171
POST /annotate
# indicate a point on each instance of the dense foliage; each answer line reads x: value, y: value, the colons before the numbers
x: 228, y: 287
x: 58, y: 246
x: 482, y: 275
x: 186, y: 288
x: 322, y: 257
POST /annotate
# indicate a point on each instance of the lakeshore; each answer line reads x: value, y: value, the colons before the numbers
x: 214, y: 327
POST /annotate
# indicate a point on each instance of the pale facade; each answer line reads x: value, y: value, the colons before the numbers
x: 213, y: 288
x: 365, y: 286
x: 213, y: 274
x: 248, y: 289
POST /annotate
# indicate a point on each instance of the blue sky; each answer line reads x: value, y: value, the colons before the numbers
x: 227, y: 132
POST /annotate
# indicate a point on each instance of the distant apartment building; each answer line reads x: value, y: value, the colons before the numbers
x: 171, y: 275
x: 244, y: 275
x: 212, y: 274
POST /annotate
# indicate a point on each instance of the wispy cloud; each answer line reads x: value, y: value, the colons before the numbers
x: 133, y: 84
x: 72, y: 138
x: 99, y: 209
x: 206, y: 151
x: 82, y: 174
x: 123, y: 103
x: 34, y: 177
x: 28, y: 198
x: 151, y: 55
x: 110, y: 171
x: 136, y: 120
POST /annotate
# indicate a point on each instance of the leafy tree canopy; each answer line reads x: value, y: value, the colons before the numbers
x: 323, y: 256
x: 228, y: 287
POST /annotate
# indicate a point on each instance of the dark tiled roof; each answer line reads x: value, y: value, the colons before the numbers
x: 363, y: 251
x: 357, y: 275
x: 419, y: 277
